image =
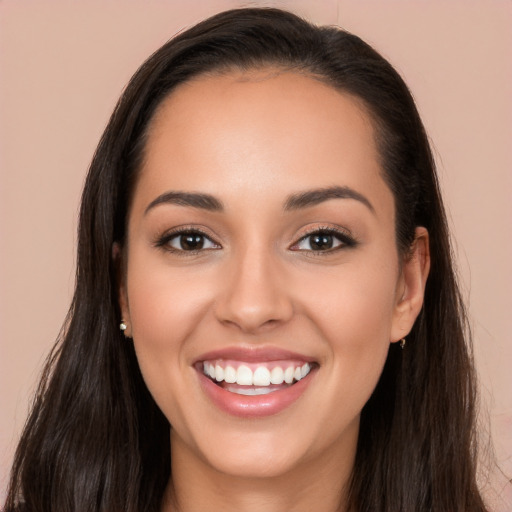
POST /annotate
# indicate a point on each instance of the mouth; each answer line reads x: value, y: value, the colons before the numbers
x: 251, y: 379
x: 247, y: 387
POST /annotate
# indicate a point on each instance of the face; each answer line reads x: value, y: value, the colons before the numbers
x: 263, y: 285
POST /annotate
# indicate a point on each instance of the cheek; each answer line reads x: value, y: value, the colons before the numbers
x: 164, y: 301
x: 165, y: 307
x: 353, y: 305
x: 354, y: 312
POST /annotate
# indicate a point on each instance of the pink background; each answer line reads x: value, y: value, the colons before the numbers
x: 64, y: 64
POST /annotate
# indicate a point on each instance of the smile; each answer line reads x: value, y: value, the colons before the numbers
x: 254, y: 384
x: 255, y: 379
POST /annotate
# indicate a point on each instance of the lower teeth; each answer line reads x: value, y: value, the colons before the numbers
x: 250, y: 391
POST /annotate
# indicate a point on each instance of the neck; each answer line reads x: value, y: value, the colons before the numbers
x: 318, y: 484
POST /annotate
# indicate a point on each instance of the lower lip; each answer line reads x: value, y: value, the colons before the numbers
x: 254, y: 406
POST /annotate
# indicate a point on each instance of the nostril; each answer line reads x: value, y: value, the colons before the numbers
x: 253, y: 298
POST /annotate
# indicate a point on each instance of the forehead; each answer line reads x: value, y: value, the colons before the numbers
x: 261, y: 95
x: 260, y: 128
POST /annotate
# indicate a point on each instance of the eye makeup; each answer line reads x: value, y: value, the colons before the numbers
x: 191, y: 240
x: 186, y: 240
x: 324, y: 240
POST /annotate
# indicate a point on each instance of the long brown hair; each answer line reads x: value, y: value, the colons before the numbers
x: 96, y: 440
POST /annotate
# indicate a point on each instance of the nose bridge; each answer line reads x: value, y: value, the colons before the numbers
x: 254, y: 295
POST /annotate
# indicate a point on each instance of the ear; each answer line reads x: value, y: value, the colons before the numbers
x: 411, y: 286
x: 120, y: 264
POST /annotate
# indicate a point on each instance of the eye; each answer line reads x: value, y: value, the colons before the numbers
x: 187, y: 241
x: 323, y: 240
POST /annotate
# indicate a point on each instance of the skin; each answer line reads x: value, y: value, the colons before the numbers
x: 251, y: 140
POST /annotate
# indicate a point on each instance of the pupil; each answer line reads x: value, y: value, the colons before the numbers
x: 191, y: 241
x: 322, y: 241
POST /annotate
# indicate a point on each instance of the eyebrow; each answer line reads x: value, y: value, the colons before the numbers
x: 293, y: 202
x: 313, y: 197
x: 192, y: 199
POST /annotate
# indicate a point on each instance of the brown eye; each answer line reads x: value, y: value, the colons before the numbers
x: 191, y: 241
x: 188, y: 241
x: 324, y: 241
x: 321, y: 241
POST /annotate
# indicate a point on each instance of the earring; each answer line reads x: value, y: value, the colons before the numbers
x: 402, y: 343
x: 123, y: 325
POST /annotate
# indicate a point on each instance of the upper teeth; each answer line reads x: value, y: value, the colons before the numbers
x: 260, y: 376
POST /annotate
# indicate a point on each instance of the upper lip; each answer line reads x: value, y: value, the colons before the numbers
x: 253, y: 355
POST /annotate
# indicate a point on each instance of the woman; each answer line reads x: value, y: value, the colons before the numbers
x: 265, y: 314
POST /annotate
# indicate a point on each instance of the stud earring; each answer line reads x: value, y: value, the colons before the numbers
x: 123, y: 326
x: 402, y: 343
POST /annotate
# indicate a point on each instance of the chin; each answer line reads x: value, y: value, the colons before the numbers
x: 249, y: 453
x: 256, y: 464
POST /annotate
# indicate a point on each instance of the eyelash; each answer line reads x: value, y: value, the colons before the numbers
x: 346, y: 241
x: 163, y: 241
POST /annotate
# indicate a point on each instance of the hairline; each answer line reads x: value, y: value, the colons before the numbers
x: 275, y: 68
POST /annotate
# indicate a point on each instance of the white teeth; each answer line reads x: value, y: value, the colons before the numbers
x: 277, y: 375
x: 244, y: 376
x: 251, y: 391
x: 288, y: 375
x: 219, y: 373
x: 261, y: 377
x: 230, y: 375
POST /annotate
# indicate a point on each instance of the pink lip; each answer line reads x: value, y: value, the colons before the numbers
x: 254, y: 406
x: 258, y: 405
x: 253, y: 355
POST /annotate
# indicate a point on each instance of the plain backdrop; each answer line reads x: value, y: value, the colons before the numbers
x: 63, y: 66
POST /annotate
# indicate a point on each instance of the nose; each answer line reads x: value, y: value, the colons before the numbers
x: 254, y: 295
